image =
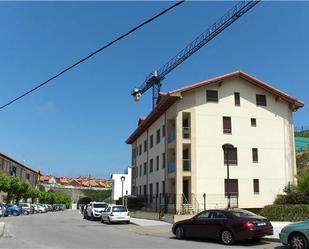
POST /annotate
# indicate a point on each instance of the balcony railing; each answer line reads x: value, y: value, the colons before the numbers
x: 171, y: 168
x: 186, y: 165
x: 186, y: 132
x: 171, y: 136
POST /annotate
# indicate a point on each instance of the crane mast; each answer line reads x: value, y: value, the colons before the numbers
x: 155, y: 78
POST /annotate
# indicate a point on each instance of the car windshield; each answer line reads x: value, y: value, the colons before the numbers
x: 99, y: 205
x: 242, y: 213
x: 120, y: 209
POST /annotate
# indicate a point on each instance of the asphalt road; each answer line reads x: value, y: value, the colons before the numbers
x: 68, y: 230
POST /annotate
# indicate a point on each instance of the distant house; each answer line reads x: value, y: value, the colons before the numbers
x: 12, y: 167
x: 117, y: 184
x: 177, y: 154
x: 81, y: 181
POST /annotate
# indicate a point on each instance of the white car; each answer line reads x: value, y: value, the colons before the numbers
x: 95, y: 209
x: 115, y: 213
x: 40, y: 208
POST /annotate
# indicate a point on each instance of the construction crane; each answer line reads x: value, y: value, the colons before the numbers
x: 155, y: 78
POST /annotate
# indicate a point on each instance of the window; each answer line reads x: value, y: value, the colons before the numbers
x: 158, y: 162
x: 211, y: 96
x: 237, y: 99
x: 227, y: 125
x: 203, y: 216
x: 145, y: 168
x: 261, y: 100
x: 233, y: 187
x: 157, y: 189
x: 145, y: 145
x: 140, y: 190
x: 140, y: 149
x: 151, y: 165
x: 158, y: 136
x: 255, y: 155
x: 145, y: 190
x: 27, y: 176
x: 151, y: 141
x: 13, y: 171
x: 253, y: 122
x: 150, y: 192
x: 232, y: 155
x: 256, y: 187
x: 163, y: 131
x: 163, y: 160
x: 140, y: 170
x: 163, y: 187
x: 216, y: 215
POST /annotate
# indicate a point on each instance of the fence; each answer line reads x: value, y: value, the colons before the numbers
x: 181, y: 204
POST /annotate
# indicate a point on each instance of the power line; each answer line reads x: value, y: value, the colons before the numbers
x: 92, y: 54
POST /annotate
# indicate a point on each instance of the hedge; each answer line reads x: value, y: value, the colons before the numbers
x: 286, y: 212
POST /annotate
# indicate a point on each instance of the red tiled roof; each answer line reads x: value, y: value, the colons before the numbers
x: 165, y: 100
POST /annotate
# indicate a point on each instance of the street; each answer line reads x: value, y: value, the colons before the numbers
x: 68, y: 230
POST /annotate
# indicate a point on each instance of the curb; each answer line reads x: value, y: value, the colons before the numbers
x: 271, y: 239
x: 2, y: 226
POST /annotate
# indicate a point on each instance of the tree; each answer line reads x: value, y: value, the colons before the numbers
x: 4, y: 182
x: 303, y: 181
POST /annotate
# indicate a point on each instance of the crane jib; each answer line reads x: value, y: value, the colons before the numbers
x: 154, y: 79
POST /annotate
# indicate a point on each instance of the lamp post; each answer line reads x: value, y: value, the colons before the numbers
x: 122, y: 181
x: 227, y: 149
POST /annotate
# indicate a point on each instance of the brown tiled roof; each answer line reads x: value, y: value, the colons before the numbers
x: 165, y: 100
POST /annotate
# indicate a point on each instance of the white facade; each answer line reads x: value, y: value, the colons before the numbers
x: 194, y: 157
x: 117, y: 184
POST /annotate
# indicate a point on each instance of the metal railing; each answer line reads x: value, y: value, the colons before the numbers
x: 171, y: 167
x: 171, y: 136
x: 186, y: 133
x: 186, y: 165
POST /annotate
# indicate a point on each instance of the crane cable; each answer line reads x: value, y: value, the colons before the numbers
x: 92, y: 54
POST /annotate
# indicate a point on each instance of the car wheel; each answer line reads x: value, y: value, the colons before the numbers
x: 14, y: 213
x: 227, y: 237
x: 91, y: 217
x: 128, y: 222
x: 179, y: 233
x: 26, y: 213
x: 298, y: 241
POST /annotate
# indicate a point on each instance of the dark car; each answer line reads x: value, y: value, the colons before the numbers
x: 224, y: 225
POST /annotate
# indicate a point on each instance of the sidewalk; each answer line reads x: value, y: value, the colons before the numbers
x: 166, y: 227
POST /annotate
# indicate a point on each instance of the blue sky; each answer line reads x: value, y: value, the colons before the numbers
x: 78, y: 124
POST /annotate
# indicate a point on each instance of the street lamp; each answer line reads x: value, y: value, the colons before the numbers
x: 227, y: 149
x: 122, y: 181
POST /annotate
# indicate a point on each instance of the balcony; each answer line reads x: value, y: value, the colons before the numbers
x: 186, y: 165
x: 171, y: 167
x: 186, y: 132
x: 171, y: 136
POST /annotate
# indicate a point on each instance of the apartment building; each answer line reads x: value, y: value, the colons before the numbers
x: 177, y: 149
x: 12, y: 167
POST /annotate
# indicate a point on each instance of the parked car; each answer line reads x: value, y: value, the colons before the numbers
x: 40, y: 208
x: 26, y: 208
x: 225, y: 225
x: 13, y: 209
x: 35, y: 208
x: 95, y: 209
x: 115, y: 213
x: 296, y: 234
x: 4, y: 210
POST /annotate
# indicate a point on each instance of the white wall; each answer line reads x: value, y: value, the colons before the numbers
x: 117, y: 184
